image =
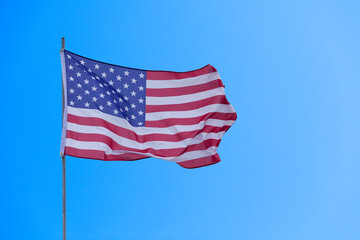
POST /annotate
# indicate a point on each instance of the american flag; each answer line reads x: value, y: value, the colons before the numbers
x: 119, y: 113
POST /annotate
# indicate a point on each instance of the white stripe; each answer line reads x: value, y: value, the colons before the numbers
x: 184, y: 98
x: 120, y: 122
x: 108, y: 151
x: 185, y: 82
x: 156, y: 145
x: 221, y: 108
x: 195, y: 154
x: 217, y: 122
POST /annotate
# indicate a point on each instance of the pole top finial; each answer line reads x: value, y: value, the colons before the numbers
x: 62, y: 43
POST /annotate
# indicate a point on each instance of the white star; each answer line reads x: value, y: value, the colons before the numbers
x: 97, y: 77
x: 126, y: 98
x: 79, y: 85
x: 69, y: 56
x: 126, y: 109
x: 72, y: 103
x: 133, y: 116
x: 104, y: 75
x: 116, y: 112
x: 87, y: 92
x: 97, y: 66
x: 89, y: 70
x: 87, y: 104
x: 111, y: 70
x: 121, y: 110
x: 140, y: 113
x: 113, y: 91
x: 76, y: 64
x: 141, y: 75
x: 126, y: 73
x: 102, y: 95
x: 120, y: 100
x: 101, y: 107
x: 94, y: 99
x: 71, y: 67
x: 118, y: 90
x: 111, y: 82
x: 127, y: 118
x: 86, y: 81
x: 126, y: 85
x: 133, y: 105
x: 82, y: 62
x: 118, y: 78
x: 79, y: 97
x: 133, y: 80
x: 94, y: 88
x: 72, y: 90
x: 133, y: 93
x: 140, y: 123
x: 78, y: 74
x: 141, y: 100
x: 141, y: 88
x: 107, y: 92
x: 108, y: 103
x: 92, y: 78
x: 114, y: 101
x: 100, y: 85
x: 71, y: 79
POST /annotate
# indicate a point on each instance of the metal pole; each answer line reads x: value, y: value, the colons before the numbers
x: 64, y: 195
x: 63, y: 158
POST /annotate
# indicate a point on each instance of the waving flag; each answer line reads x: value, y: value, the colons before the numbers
x: 119, y: 113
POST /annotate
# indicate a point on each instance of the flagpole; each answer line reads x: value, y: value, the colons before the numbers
x: 64, y: 195
x: 63, y: 159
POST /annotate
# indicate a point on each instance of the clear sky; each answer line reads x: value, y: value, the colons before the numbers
x: 290, y: 164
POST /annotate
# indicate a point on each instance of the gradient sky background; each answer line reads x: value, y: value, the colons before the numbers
x: 290, y: 164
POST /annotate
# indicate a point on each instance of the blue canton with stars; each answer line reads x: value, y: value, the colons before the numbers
x: 111, y: 89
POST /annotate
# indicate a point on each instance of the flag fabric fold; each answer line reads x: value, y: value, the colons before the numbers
x: 118, y: 113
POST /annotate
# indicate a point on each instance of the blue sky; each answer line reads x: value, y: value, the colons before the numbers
x: 290, y: 164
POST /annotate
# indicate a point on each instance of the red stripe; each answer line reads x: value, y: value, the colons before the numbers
x: 173, y: 152
x: 165, y: 75
x: 221, y: 99
x: 126, y: 133
x: 190, y: 121
x: 167, y: 92
x: 100, y: 155
x: 200, y: 162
